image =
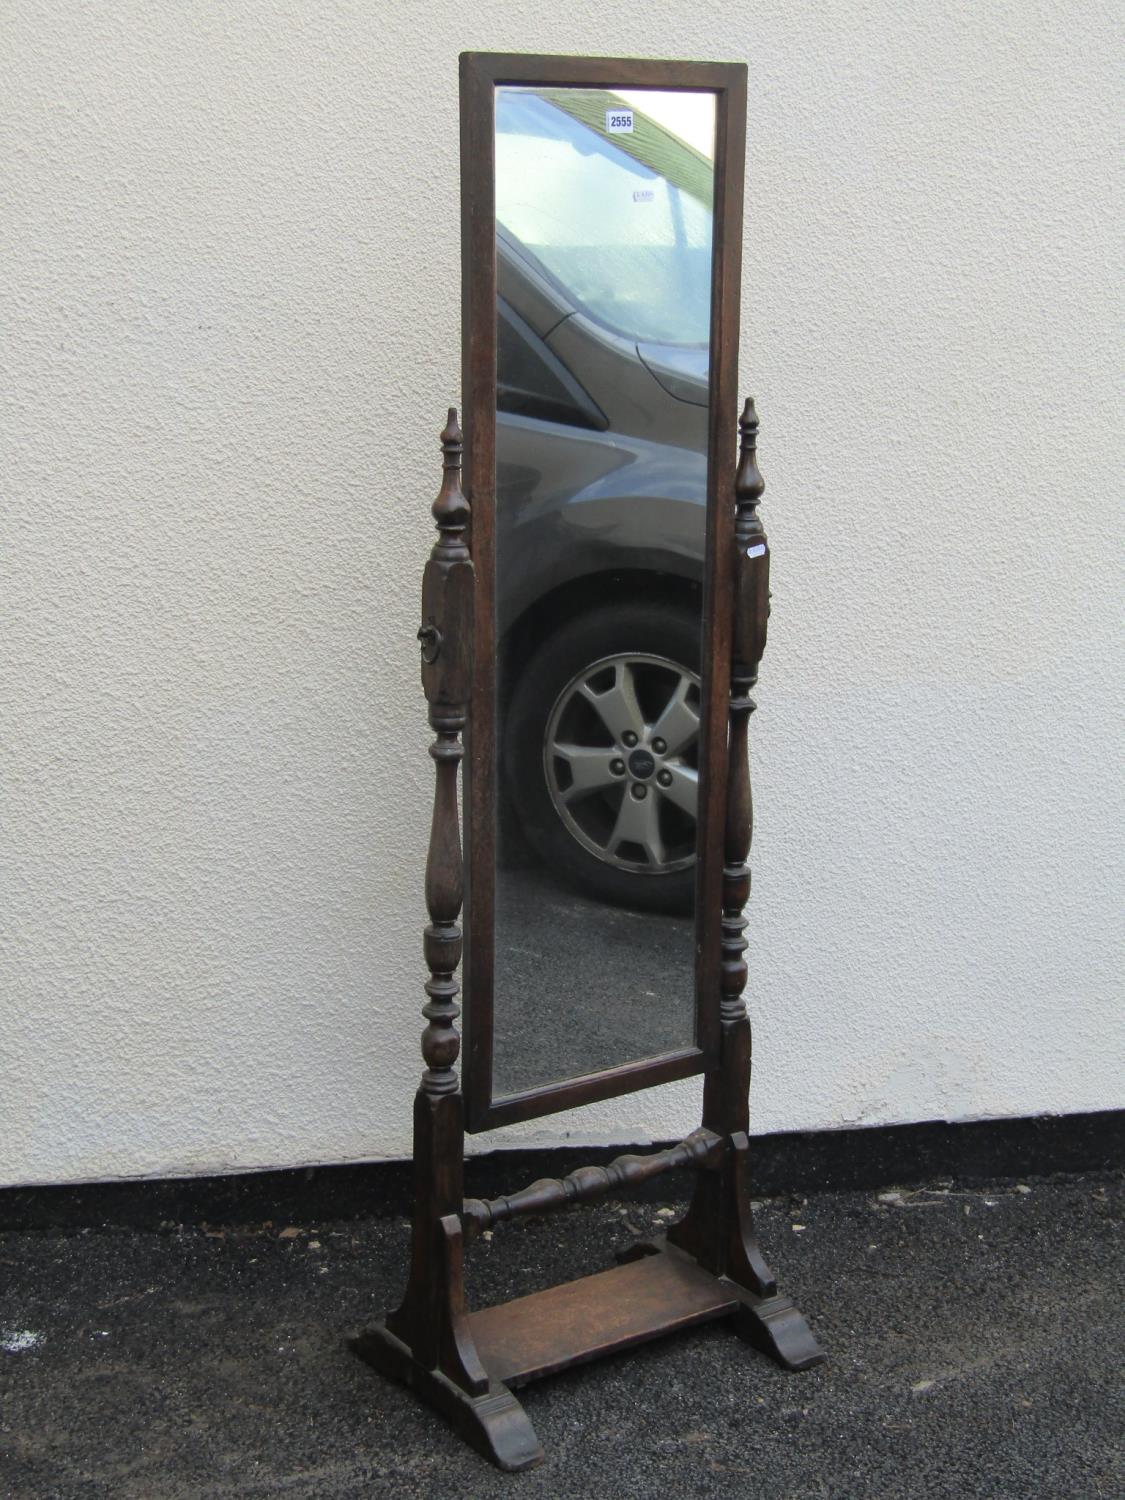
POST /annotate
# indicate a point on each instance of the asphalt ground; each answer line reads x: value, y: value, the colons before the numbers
x: 974, y: 1339
x: 578, y: 982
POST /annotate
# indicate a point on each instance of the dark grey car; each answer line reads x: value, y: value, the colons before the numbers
x: 601, y: 476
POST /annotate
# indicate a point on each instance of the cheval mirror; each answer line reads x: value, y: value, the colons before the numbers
x: 593, y: 615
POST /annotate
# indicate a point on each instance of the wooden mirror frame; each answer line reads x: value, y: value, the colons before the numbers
x: 708, y: 1266
x: 481, y: 75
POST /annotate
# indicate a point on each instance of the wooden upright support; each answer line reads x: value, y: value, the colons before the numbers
x: 718, y: 1229
x: 427, y: 1343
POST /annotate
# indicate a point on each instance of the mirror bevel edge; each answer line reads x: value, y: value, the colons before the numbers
x: 480, y: 74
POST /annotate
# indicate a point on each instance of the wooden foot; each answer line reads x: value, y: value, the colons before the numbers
x: 428, y: 1345
x: 494, y: 1422
x: 774, y: 1325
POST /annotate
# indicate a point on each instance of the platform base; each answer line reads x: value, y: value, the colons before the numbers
x: 657, y: 1290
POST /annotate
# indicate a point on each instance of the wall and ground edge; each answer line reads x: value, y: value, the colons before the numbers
x: 230, y: 301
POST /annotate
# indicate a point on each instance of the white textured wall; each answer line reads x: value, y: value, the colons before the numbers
x: 229, y: 282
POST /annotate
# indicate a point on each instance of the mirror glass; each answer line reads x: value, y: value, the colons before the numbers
x: 603, y: 241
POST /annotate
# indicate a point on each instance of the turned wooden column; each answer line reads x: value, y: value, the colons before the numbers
x: 430, y: 1319
x: 428, y: 1343
x: 445, y: 633
x: 718, y: 1229
x: 751, y: 611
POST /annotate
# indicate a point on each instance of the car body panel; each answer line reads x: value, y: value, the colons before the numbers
x: 572, y: 504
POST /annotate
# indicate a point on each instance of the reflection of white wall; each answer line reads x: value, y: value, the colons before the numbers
x: 229, y: 277
x: 690, y: 116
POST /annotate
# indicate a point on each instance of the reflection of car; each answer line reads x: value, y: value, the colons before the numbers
x: 603, y: 320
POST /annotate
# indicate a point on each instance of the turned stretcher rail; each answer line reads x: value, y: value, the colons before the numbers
x: 700, y: 1149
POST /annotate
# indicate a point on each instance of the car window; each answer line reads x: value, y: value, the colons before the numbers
x: 531, y: 381
x: 626, y: 227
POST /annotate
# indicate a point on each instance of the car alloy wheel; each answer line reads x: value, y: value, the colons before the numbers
x: 620, y: 755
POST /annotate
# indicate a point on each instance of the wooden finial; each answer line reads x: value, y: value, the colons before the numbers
x: 749, y: 486
x: 451, y: 510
